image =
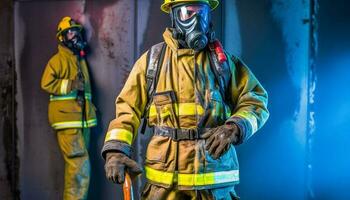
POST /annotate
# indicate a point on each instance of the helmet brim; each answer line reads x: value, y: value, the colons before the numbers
x: 165, y: 7
x: 73, y: 26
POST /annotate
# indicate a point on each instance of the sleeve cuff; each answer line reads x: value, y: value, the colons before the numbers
x: 244, y: 128
x: 116, y: 146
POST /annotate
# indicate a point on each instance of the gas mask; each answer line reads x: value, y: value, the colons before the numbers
x: 74, y: 40
x: 191, y: 25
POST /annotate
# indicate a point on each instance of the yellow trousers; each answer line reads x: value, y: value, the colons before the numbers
x: 74, y: 144
x: 154, y: 192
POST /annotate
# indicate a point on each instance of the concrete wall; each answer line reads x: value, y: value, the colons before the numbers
x: 9, y: 163
x: 331, y: 175
x: 273, y: 159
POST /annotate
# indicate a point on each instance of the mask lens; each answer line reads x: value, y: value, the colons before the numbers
x: 188, y: 11
x: 71, y: 33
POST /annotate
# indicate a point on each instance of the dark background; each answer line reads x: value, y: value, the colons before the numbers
x: 298, y: 49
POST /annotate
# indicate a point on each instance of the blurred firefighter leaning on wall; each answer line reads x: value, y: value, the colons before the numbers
x: 71, y: 112
x: 201, y: 102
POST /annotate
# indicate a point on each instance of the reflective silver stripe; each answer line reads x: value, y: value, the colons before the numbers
x: 64, y: 86
x: 74, y: 124
x: 208, y: 178
x: 69, y: 96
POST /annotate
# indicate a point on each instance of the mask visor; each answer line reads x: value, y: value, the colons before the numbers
x: 187, y: 12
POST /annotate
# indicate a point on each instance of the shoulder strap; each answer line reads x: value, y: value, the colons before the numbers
x: 222, y: 72
x: 155, y: 58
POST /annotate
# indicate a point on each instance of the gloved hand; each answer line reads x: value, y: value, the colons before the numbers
x: 117, y: 163
x: 78, y: 84
x: 219, y: 139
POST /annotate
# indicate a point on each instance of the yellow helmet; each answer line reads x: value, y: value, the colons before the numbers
x: 168, y: 3
x: 66, y: 23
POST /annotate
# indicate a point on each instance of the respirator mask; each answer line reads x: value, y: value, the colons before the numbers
x: 191, y: 25
x: 74, y: 40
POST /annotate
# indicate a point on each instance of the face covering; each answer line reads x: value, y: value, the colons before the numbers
x: 191, y: 25
x: 73, y: 39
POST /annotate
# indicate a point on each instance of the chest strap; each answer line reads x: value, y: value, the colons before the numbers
x: 179, y: 134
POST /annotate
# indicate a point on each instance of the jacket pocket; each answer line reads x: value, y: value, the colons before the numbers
x: 61, y: 111
x: 227, y: 161
x: 158, y: 149
x: 71, y: 143
x: 165, y: 103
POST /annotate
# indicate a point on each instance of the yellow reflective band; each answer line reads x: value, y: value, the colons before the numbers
x: 64, y: 86
x: 190, y: 109
x: 159, y: 176
x: 181, y: 108
x: 192, y: 179
x: 251, y: 119
x: 119, y: 134
x: 74, y: 124
x: 70, y: 96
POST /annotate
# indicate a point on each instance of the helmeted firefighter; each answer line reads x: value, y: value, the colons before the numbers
x: 71, y: 112
x: 200, y: 102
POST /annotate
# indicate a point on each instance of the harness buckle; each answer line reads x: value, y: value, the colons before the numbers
x: 174, y: 135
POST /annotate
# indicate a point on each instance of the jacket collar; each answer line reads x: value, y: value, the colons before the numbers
x: 174, y: 44
x: 65, y: 50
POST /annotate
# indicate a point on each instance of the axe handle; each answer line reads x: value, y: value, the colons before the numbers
x: 127, y: 188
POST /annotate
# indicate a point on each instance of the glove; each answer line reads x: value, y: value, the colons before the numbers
x: 117, y: 163
x: 78, y: 84
x: 219, y: 139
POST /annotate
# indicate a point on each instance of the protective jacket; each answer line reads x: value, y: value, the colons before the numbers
x: 64, y: 111
x: 188, y: 97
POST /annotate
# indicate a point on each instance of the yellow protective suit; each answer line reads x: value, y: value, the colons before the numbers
x: 65, y: 116
x: 188, y: 96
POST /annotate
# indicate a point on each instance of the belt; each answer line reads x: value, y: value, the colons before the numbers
x: 179, y: 134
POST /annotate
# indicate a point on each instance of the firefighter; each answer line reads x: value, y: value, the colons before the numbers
x: 200, y: 101
x: 71, y: 112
